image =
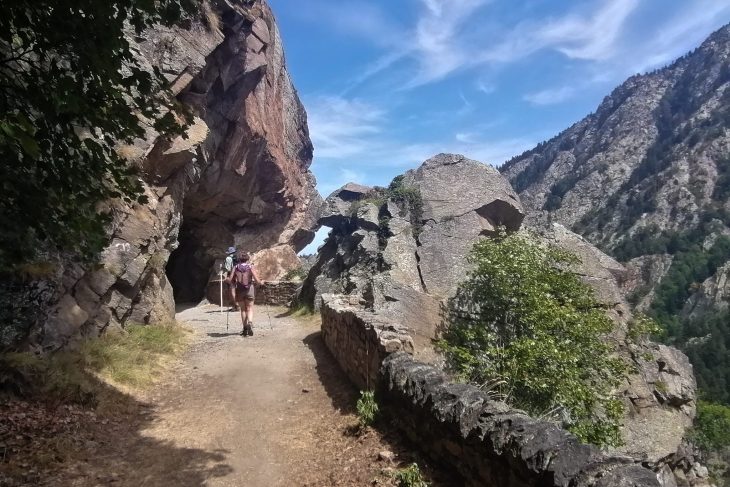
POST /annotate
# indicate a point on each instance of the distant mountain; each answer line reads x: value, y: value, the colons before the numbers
x: 647, y: 179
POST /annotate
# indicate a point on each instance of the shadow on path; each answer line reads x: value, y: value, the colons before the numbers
x: 338, y: 387
x: 108, y: 445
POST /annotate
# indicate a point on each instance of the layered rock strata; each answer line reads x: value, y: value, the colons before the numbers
x: 240, y: 178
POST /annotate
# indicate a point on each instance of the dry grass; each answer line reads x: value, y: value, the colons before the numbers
x: 137, y: 358
x: 133, y: 359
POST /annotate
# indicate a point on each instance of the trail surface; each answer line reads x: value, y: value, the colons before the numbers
x: 269, y: 410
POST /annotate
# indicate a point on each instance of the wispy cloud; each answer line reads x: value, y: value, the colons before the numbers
x: 550, y: 96
x: 681, y: 32
x: 340, y: 127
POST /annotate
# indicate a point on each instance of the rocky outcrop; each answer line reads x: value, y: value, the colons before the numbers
x: 647, y: 179
x: 660, y: 391
x: 401, y: 251
x: 394, y: 256
x: 240, y: 178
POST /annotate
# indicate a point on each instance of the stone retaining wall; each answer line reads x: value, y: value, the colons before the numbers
x: 277, y: 293
x: 273, y: 293
x: 486, y: 441
x: 358, y: 340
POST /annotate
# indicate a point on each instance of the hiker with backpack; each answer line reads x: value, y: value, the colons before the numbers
x: 229, y: 264
x: 244, y: 278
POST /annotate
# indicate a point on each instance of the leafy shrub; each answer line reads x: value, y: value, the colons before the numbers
x: 410, y: 477
x: 66, y: 110
x: 523, y: 321
x: 711, y: 433
x: 409, y: 197
x: 642, y: 327
x: 367, y: 408
x: 712, y: 426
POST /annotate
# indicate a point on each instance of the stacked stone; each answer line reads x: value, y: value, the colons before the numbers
x: 277, y: 293
x: 360, y: 340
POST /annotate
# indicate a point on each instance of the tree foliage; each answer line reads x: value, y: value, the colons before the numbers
x: 530, y: 329
x: 71, y: 89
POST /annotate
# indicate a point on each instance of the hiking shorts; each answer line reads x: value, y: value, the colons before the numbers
x: 245, y: 294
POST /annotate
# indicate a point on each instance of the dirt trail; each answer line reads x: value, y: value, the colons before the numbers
x: 259, y: 399
x: 269, y: 410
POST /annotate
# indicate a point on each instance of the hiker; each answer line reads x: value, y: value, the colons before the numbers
x: 244, y: 278
x: 229, y: 264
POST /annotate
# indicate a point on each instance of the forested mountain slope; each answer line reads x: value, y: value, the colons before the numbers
x: 647, y: 178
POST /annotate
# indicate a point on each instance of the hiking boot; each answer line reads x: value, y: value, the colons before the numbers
x: 243, y: 332
x: 249, y: 330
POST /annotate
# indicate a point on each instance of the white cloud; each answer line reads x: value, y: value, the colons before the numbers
x: 592, y: 38
x: 485, y: 86
x: 550, y: 96
x: 683, y: 31
x: 339, y: 126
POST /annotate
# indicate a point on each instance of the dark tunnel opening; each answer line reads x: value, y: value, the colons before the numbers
x: 188, y: 268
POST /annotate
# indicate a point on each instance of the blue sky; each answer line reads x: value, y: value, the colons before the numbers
x: 388, y: 83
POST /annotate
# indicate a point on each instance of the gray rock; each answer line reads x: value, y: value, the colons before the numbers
x: 375, y: 254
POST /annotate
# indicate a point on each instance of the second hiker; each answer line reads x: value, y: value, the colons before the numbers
x: 244, y: 278
x: 229, y: 264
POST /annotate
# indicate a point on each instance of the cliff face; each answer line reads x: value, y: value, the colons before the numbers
x: 240, y: 178
x: 647, y: 179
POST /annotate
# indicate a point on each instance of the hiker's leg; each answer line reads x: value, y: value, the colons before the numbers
x: 249, y: 310
x: 243, y: 314
x: 232, y: 290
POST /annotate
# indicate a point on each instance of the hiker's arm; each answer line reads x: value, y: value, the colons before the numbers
x: 255, y: 276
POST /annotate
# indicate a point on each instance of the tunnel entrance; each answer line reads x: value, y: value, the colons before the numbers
x: 188, y: 268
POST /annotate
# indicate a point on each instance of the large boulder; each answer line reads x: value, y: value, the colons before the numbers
x: 404, y: 259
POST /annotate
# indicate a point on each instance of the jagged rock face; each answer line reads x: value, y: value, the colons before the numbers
x: 374, y: 253
x: 241, y: 177
x: 647, y: 179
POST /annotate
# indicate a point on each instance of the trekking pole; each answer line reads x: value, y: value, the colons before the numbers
x: 220, y: 276
x: 268, y: 313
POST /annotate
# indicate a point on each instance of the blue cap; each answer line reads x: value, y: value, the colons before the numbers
x: 231, y: 250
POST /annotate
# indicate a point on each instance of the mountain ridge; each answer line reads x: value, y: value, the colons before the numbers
x: 646, y: 177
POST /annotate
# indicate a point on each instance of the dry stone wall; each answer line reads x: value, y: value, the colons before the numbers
x: 360, y: 340
x: 272, y: 293
x: 488, y: 442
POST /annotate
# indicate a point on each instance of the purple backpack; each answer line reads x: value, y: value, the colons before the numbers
x: 242, y: 276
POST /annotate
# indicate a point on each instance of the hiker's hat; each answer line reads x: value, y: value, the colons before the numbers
x: 231, y: 250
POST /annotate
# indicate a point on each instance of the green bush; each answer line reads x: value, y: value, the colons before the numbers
x: 524, y: 322
x: 410, y: 198
x: 410, y: 477
x: 642, y: 327
x: 367, y: 408
x: 712, y: 426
